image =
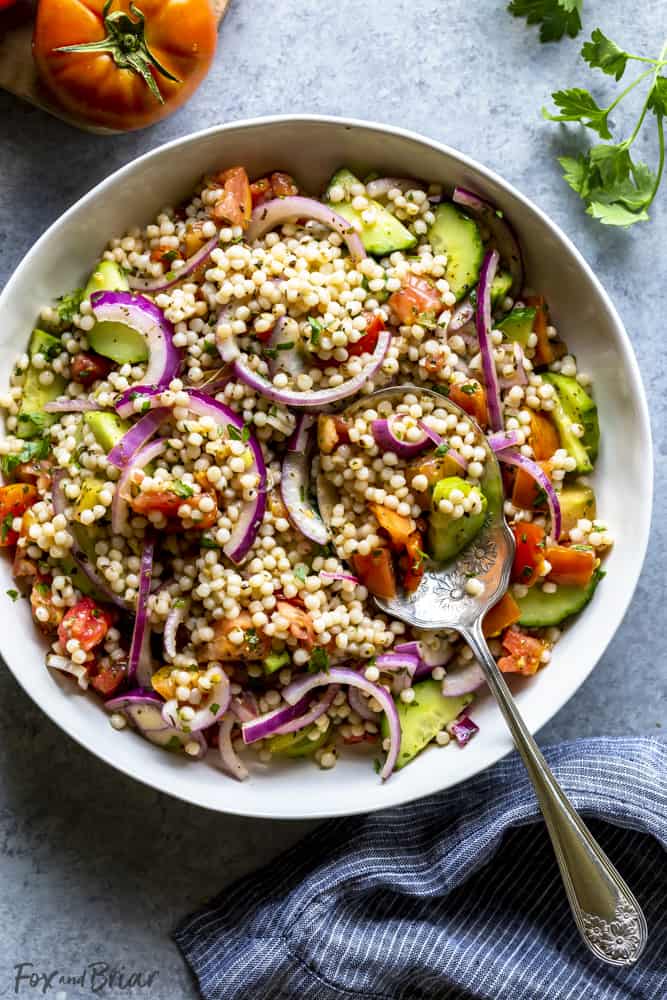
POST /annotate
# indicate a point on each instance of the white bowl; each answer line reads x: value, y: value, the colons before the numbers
x: 312, y: 148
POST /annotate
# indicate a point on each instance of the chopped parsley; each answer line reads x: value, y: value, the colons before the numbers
x: 540, y: 498
x: 469, y: 389
x: 13, y: 594
x: 179, y: 603
x: 377, y: 765
x: 168, y: 256
x: 181, y: 489
x: 214, y: 707
x: 315, y: 330
x: 174, y: 744
x: 251, y: 638
x: 31, y: 451
x: 68, y: 305
x: 301, y: 572
x: 441, y: 450
x: 207, y: 542
x: 319, y: 660
x: 238, y: 435
x: 7, y: 522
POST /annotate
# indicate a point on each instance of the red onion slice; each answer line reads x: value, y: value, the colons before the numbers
x: 269, y: 723
x: 297, y: 690
x: 519, y: 376
x: 294, y: 483
x: 119, y: 506
x: 143, y: 710
x: 273, y: 213
x: 542, y: 480
x: 174, y: 619
x: 244, y: 706
x: 77, y: 553
x: 143, y: 316
x: 461, y: 316
x: 230, y: 761
x: 484, y: 323
x: 463, y: 680
x: 283, y: 353
x: 217, y: 703
x: 345, y: 577
x: 166, y: 281
x: 360, y: 705
x: 427, y: 658
x: 137, y: 436
x: 504, y: 439
x: 69, y: 405
x: 463, y: 729
x: 140, y: 648
x: 439, y: 441
x: 315, y: 398
x: 397, y: 661
x: 318, y: 709
x: 387, y: 437
x: 502, y: 234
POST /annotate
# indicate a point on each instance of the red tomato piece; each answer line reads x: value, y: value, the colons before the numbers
x: 471, y: 397
x: 235, y: 206
x: 416, y: 301
x: 87, y: 622
x: 106, y: 678
x: 283, y: 185
x: 529, y: 553
x: 367, y: 343
x: 15, y: 499
x: 525, y: 653
x: 88, y: 368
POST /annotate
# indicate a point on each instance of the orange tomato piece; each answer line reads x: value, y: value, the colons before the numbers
x: 398, y: 526
x: 503, y: 614
x: 300, y: 624
x: 571, y: 566
x: 525, y: 653
x: 543, y: 436
x: 471, y: 397
x: 282, y: 185
x: 412, y: 562
x: 415, y: 301
x: 529, y: 552
x: 376, y: 572
x: 15, y: 499
x: 235, y: 206
x: 91, y: 85
x: 546, y: 350
x: 526, y: 494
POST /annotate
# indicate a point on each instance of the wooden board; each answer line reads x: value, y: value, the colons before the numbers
x: 17, y: 71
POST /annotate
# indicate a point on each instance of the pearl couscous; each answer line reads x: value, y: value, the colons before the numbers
x: 162, y: 427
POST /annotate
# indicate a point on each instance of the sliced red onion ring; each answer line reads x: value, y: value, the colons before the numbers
x: 66, y: 666
x: 463, y: 680
x: 137, y: 436
x: 283, y: 352
x: 119, y: 505
x: 171, y: 626
x: 273, y: 213
x: 484, y: 322
x: 397, y: 661
x: 360, y: 705
x: 229, y: 759
x: 387, y: 437
x: 77, y: 553
x: 68, y: 405
x: 315, y: 398
x: 461, y: 316
x: 297, y: 690
x: 438, y: 441
x: 502, y: 234
x: 244, y: 706
x: 228, y: 347
x: 542, y: 480
x: 217, y: 703
x: 142, y: 315
x: 505, y: 439
x: 143, y: 710
x: 318, y: 709
x: 245, y: 530
x: 463, y: 729
x: 140, y: 647
x: 381, y: 186
x: 173, y: 277
x: 269, y: 723
x: 294, y: 483
x: 519, y: 376
x: 151, y: 394
x: 345, y: 577
x: 427, y: 658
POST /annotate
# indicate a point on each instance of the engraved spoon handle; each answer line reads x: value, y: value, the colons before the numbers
x: 607, y: 914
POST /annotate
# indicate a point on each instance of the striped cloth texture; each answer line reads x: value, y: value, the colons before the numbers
x: 454, y: 896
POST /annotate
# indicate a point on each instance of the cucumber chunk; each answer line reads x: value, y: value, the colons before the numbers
x: 276, y: 661
x: 448, y: 535
x: 106, y: 277
x: 576, y: 501
x: 518, y: 325
x: 500, y: 287
x: 107, y: 427
x: 381, y: 237
x: 116, y: 341
x: 422, y: 719
x: 575, y: 406
x: 457, y: 236
x: 540, y: 610
x: 31, y: 416
x: 297, y: 744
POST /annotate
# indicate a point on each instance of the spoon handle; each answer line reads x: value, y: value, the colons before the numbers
x: 606, y: 913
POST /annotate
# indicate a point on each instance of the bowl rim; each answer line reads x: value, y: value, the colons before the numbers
x: 391, y: 797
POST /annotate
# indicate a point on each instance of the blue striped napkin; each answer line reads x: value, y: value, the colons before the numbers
x: 454, y: 896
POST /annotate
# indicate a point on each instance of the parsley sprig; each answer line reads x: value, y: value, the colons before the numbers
x: 555, y: 17
x: 617, y: 190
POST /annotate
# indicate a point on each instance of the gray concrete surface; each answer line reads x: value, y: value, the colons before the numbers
x: 94, y: 867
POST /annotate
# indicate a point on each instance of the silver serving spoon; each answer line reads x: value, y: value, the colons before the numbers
x: 607, y: 914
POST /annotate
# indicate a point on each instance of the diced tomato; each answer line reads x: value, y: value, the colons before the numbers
x: 331, y: 431
x: 471, y: 397
x: 300, y: 624
x: 36, y: 471
x: 416, y: 301
x: 260, y: 191
x: 107, y: 677
x: 525, y: 653
x: 398, y: 526
x: 87, y: 622
x: 546, y: 350
x: 283, y: 185
x: 367, y: 343
x: 88, y: 368
x: 194, y: 239
x: 412, y: 562
x: 376, y: 572
x: 543, y: 437
x: 168, y: 502
x: 255, y: 646
x: 503, y: 614
x: 526, y: 493
x: 433, y: 468
x: 15, y: 499
x: 264, y: 336
x: 529, y: 553
x: 571, y: 565
x: 235, y: 206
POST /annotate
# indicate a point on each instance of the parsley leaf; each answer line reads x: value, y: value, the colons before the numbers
x: 301, y: 572
x: 181, y: 489
x: 207, y: 542
x: 602, y: 53
x: 441, y: 450
x: 319, y: 660
x: 578, y: 105
x: 555, y: 17
x: 68, y: 305
x: 657, y: 99
x: 13, y: 594
x: 315, y: 330
x: 252, y: 640
x: 30, y: 451
x: 6, y: 527
x: 238, y: 435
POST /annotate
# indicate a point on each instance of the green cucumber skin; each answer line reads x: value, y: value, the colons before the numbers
x: 457, y: 236
x: 423, y: 719
x: 383, y: 236
x: 540, y: 610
